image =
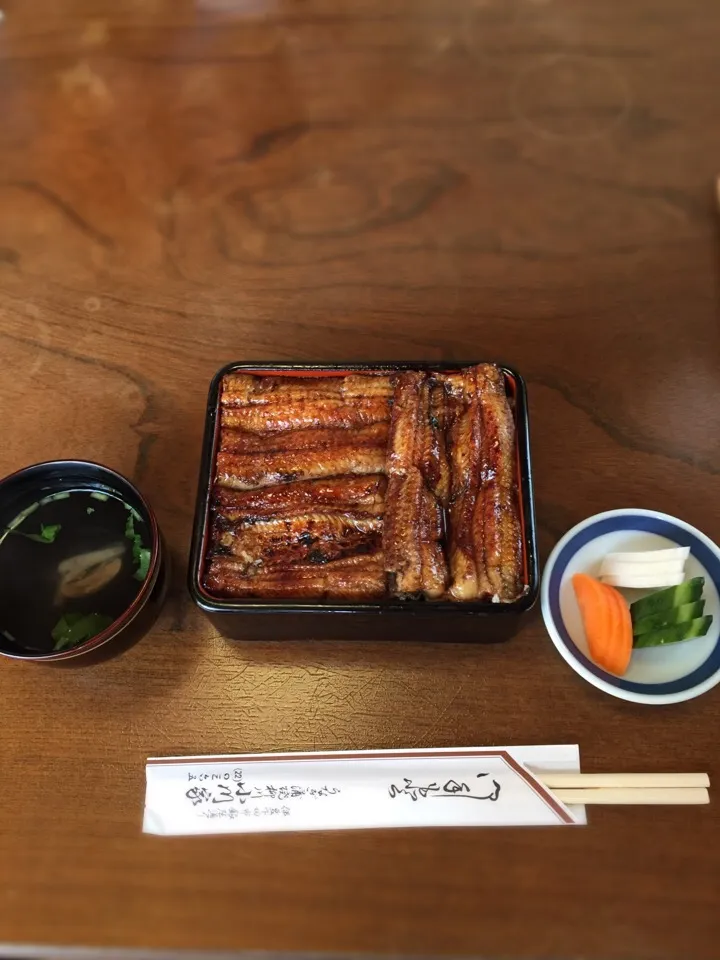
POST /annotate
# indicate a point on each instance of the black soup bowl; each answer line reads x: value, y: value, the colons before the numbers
x: 39, y: 571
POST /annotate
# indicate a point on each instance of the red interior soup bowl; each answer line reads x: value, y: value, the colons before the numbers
x: 82, y: 566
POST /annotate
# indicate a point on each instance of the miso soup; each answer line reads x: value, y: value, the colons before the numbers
x: 70, y: 564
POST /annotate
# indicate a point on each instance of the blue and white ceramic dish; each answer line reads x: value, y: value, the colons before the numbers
x: 667, y: 674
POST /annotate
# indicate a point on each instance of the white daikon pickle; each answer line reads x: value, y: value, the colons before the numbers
x: 651, y: 582
x: 674, y: 554
x: 645, y: 569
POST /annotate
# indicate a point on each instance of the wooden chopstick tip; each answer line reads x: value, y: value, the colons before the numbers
x: 589, y: 781
x: 628, y: 796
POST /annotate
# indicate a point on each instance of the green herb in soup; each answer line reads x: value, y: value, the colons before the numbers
x: 74, y: 628
x: 141, y: 554
x: 70, y: 565
x: 48, y: 533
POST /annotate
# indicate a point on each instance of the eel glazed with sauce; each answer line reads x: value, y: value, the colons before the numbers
x: 366, y: 487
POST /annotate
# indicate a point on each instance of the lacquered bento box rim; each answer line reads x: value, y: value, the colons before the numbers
x: 388, y: 607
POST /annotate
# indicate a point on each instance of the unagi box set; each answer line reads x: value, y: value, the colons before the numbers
x: 371, y: 501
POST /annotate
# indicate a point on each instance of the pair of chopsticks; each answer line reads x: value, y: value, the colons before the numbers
x: 628, y: 788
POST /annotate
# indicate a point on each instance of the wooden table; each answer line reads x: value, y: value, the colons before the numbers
x: 185, y: 184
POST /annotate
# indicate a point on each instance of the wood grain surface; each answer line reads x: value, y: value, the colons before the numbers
x: 184, y: 184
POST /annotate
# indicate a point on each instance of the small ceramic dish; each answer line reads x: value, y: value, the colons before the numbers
x: 667, y: 674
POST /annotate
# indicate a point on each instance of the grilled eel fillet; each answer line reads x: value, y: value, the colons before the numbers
x: 412, y: 538
x: 336, y: 494
x: 240, y: 441
x: 249, y: 471
x: 314, y: 537
x: 417, y: 434
x: 351, y: 578
x: 243, y: 389
x: 485, y: 533
x: 311, y: 413
x: 496, y: 521
x: 465, y: 442
x: 431, y: 453
x: 413, y: 529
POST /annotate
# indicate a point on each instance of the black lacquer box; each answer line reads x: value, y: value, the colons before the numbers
x: 254, y: 619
